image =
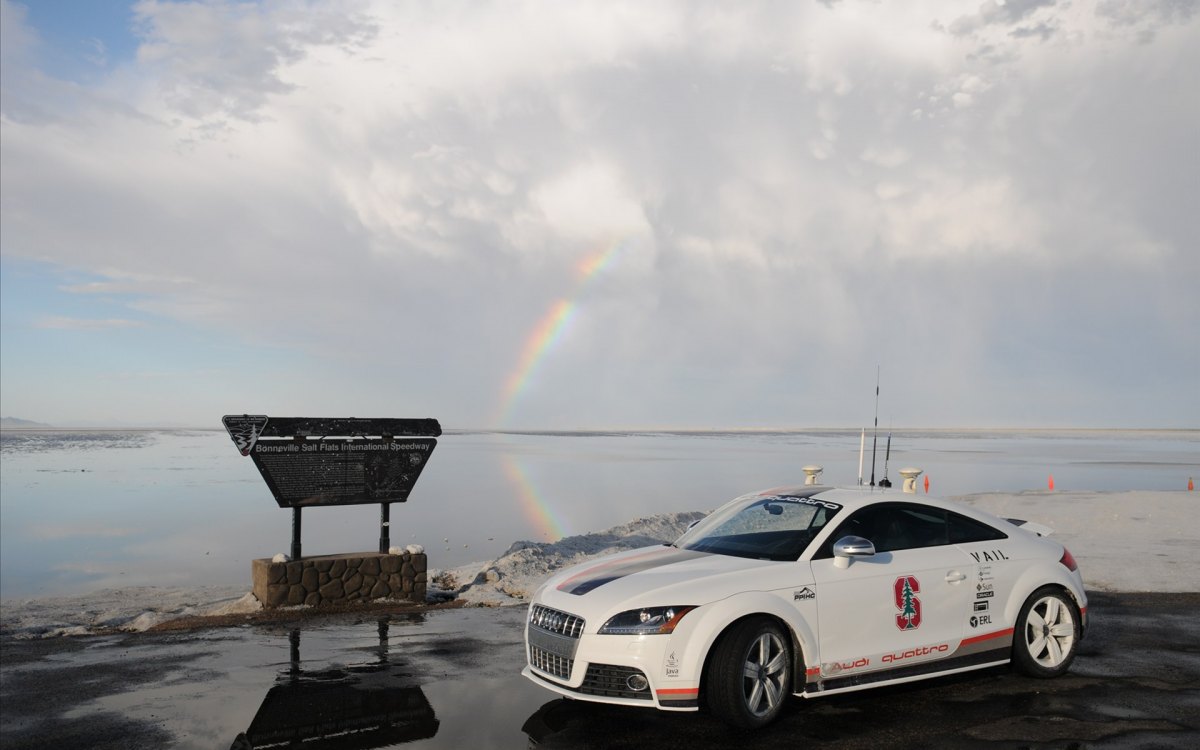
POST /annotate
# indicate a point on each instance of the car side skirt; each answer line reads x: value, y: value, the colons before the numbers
x: 953, y: 665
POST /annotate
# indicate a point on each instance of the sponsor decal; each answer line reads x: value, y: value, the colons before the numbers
x: 906, y: 589
x: 981, y: 606
x: 671, y: 665
x: 977, y: 620
x: 802, y: 501
x: 985, y: 594
x: 838, y: 667
x: 985, y: 572
x: 941, y: 648
x: 804, y: 593
x: 984, y: 586
x: 993, y: 555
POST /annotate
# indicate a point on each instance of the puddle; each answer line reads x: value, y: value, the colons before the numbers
x: 447, y: 679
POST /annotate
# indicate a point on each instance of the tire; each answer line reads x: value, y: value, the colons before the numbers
x: 749, y: 674
x: 1047, y: 633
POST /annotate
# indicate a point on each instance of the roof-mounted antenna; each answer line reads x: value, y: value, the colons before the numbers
x: 862, y: 444
x: 875, y: 434
x: 887, y: 456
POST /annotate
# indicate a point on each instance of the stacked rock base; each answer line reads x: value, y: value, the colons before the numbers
x: 338, y: 579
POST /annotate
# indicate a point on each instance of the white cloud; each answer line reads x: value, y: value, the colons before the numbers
x: 589, y: 202
x: 409, y: 188
x: 1004, y: 13
x: 888, y: 157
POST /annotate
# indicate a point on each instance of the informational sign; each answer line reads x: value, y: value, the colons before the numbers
x: 310, y: 461
x: 335, y: 471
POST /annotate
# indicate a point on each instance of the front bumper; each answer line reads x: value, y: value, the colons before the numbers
x: 611, y: 668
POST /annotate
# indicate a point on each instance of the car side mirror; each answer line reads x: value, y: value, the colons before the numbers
x: 849, y: 547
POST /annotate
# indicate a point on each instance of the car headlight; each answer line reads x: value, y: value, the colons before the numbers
x: 645, y: 621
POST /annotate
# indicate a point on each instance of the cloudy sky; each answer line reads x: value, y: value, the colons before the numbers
x: 602, y: 215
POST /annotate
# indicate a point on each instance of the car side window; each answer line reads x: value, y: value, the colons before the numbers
x: 963, y: 530
x: 893, y: 526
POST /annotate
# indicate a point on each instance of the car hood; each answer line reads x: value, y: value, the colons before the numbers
x: 656, y: 576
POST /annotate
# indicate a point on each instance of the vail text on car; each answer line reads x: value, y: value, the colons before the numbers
x: 807, y: 591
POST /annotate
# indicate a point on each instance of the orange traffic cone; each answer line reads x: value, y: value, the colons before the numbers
x: 1050, y: 484
x: 1191, y: 484
x: 926, y: 484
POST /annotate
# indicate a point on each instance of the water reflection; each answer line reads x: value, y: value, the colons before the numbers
x: 547, y: 721
x: 344, y: 708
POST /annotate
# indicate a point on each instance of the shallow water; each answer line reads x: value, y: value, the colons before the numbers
x: 447, y: 679
x: 85, y: 511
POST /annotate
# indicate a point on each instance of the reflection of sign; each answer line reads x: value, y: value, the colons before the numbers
x: 244, y: 430
x: 336, y: 471
x: 347, y: 709
x: 355, y: 707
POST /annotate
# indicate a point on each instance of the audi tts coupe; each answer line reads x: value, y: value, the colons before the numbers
x: 807, y: 591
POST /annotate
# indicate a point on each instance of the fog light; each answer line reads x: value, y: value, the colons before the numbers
x: 637, y: 683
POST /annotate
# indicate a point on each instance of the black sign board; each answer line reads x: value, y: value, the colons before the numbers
x: 337, y: 471
x: 310, y: 461
x: 313, y: 461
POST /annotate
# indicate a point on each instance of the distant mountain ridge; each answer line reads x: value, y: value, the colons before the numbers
x: 12, y: 423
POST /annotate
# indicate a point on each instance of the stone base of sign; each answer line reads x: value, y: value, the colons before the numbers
x: 338, y: 579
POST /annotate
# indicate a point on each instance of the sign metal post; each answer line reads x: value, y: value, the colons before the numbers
x: 384, y: 528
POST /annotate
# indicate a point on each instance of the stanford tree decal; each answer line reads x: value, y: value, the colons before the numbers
x: 906, y: 588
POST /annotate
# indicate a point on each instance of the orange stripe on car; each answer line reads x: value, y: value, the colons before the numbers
x: 986, y: 637
x: 680, y: 691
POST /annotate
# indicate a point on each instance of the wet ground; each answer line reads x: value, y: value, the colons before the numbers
x: 449, y: 679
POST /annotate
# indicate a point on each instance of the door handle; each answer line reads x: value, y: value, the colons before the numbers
x: 955, y: 577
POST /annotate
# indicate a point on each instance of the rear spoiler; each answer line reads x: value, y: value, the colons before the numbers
x: 1036, y: 528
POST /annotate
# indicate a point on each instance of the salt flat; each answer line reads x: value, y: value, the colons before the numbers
x: 1123, y: 541
x: 1133, y: 541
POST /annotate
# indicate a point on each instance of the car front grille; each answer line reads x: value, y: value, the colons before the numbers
x: 611, y: 681
x: 551, y: 664
x: 553, y: 638
x: 553, y: 621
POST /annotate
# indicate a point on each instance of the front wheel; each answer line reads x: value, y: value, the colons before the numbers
x: 1047, y: 635
x: 748, y: 678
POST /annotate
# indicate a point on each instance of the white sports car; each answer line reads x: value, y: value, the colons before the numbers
x: 808, y: 591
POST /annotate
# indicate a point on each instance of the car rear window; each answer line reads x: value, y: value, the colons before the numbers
x: 963, y: 530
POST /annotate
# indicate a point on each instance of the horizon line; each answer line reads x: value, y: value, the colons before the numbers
x: 642, y: 429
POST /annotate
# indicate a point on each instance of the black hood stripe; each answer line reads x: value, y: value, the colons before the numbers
x: 607, y: 572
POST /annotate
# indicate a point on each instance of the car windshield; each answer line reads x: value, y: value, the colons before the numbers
x: 766, y: 527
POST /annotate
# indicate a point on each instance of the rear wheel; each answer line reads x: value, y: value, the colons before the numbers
x: 1047, y: 634
x: 748, y: 678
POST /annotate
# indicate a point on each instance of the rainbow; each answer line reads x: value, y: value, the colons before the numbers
x: 550, y: 329
x: 536, y: 510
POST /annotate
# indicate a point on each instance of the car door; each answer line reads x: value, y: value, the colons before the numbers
x: 905, y: 605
